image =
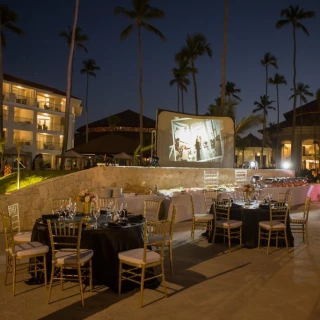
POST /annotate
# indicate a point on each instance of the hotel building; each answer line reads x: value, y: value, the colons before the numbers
x: 35, y: 114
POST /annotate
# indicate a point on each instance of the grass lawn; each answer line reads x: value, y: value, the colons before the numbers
x: 27, y: 178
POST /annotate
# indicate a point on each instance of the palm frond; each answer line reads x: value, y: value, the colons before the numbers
x: 127, y: 13
x: 248, y: 123
x: 154, y: 30
x: 154, y: 13
x: 127, y: 31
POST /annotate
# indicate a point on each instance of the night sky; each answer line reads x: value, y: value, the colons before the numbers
x: 41, y: 55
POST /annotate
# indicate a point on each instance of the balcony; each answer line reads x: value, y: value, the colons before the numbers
x: 50, y: 127
x: 49, y: 145
x: 23, y: 120
x: 50, y: 106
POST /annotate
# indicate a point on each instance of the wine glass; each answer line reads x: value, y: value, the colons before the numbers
x: 96, y: 215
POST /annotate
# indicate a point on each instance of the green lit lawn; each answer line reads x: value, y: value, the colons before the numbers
x: 27, y: 178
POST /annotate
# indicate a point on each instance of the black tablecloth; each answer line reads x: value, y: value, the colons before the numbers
x: 106, y: 244
x: 250, y: 226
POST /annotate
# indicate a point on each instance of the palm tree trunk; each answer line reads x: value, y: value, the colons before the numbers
x: 224, y: 55
x: 278, y: 113
x: 263, y: 138
x: 1, y: 103
x: 301, y: 129
x: 68, y: 92
x: 293, y: 141
x: 195, y: 87
x: 141, y: 95
x: 87, y: 118
x: 178, y: 97
x: 182, y: 102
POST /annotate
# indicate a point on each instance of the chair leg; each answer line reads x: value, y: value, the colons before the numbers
x: 286, y: 239
x: 61, y: 278
x: 120, y: 275
x: 90, y: 275
x: 7, y: 267
x: 240, y: 236
x: 143, y: 271
x: 80, y: 284
x: 303, y: 234
x: 171, y: 257
x: 229, y: 239
x: 14, y: 276
x: 214, y: 233
x: 307, y: 234
x: 163, y: 280
x: 192, y: 229
x: 51, y: 282
x: 269, y: 238
x: 45, y: 270
x: 259, y: 238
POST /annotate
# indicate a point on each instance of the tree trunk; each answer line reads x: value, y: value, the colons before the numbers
x: 141, y: 95
x: 293, y: 141
x: 301, y: 140
x: 178, y: 97
x: 195, y: 87
x: 68, y: 92
x: 224, y: 55
x: 263, y: 138
x: 87, y: 117
x: 277, y: 141
x: 1, y: 88
x: 182, y: 102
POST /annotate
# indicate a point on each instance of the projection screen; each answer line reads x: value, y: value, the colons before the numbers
x: 185, y: 140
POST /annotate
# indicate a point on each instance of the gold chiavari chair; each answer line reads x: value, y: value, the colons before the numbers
x: 200, y: 221
x: 276, y: 227
x: 21, y: 252
x: 19, y: 236
x: 223, y: 223
x: 144, y: 260
x: 107, y: 203
x: 151, y: 211
x: 67, y: 255
x: 209, y: 197
x: 300, y: 225
x: 56, y: 204
x: 156, y: 239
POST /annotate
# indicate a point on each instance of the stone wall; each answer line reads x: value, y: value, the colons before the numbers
x: 35, y: 200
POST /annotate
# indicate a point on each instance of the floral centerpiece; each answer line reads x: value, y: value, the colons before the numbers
x: 87, y: 196
x: 248, y: 189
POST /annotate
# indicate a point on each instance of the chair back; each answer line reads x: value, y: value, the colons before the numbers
x: 222, y: 210
x: 13, y: 211
x: 107, y: 203
x: 209, y: 197
x: 284, y: 197
x: 161, y: 228
x: 151, y: 209
x: 64, y: 235
x: 279, y: 212
x: 56, y: 204
x: 8, y: 233
x: 307, y: 204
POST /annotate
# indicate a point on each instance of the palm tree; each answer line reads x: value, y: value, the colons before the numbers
x: 90, y: 67
x: 224, y: 54
x: 268, y: 60
x: 277, y: 80
x: 216, y: 109
x: 263, y: 105
x: 140, y: 15
x: 113, y: 121
x: 79, y: 38
x: 196, y: 46
x: 69, y: 83
x: 293, y: 15
x: 8, y: 20
x: 180, y: 75
x: 231, y: 91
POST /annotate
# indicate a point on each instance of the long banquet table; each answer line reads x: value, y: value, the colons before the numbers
x: 105, y: 242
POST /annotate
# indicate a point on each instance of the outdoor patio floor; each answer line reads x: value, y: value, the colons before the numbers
x: 208, y: 283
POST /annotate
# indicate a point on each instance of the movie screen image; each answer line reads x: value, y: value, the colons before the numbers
x: 194, y: 141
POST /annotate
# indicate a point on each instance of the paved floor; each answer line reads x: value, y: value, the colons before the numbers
x: 207, y: 284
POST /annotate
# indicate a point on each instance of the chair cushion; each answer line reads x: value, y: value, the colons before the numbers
x: 30, y: 249
x: 136, y: 256
x: 298, y: 221
x: 22, y: 237
x: 203, y: 216
x: 158, y: 238
x: 229, y: 224
x: 69, y: 256
x: 274, y: 225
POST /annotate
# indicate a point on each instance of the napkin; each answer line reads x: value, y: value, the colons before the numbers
x: 235, y: 205
x: 135, y: 218
x: 50, y: 216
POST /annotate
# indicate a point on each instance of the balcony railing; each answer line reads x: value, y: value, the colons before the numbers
x: 5, y: 115
x: 50, y: 126
x: 23, y: 120
x: 50, y: 106
x: 49, y: 145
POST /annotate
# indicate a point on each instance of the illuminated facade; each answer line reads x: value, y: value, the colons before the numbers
x: 35, y: 114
